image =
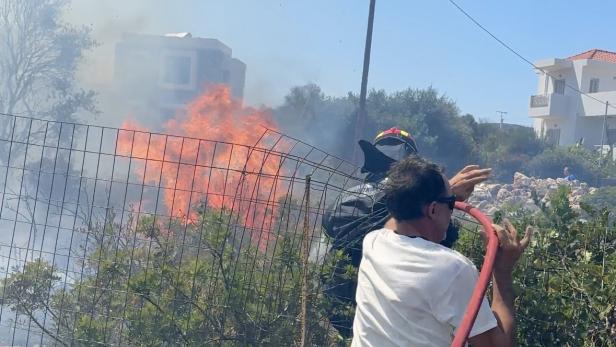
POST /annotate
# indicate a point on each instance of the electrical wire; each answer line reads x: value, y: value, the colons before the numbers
x: 510, y: 49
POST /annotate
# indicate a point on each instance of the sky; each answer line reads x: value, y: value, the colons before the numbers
x: 415, y: 43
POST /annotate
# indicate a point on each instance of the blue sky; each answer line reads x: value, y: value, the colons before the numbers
x: 415, y: 43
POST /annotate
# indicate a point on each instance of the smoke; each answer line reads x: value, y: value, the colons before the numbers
x: 109, y: 21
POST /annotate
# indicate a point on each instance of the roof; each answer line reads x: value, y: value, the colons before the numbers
x: 596, y: 54
x: 177, y: 40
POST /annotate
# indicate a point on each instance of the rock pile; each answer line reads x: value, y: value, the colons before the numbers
x: 490, y: 197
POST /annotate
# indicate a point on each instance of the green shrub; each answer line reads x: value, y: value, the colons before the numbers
x: 603, y: 198
x: 564, y: 281
x: 550, y: 163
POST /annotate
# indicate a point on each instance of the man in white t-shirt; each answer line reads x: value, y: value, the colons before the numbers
x: 411, y: 290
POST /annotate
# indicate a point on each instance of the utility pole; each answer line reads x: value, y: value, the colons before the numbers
x: 603, y: 131
x: 361, y: 112
x: 501, y: 113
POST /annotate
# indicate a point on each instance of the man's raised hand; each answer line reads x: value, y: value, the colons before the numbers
x: 510, y: 247
x: 463, y: 183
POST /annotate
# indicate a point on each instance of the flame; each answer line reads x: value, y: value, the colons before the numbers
x: 224, y: 171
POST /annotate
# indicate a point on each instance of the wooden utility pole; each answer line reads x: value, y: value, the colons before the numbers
x: 361, y: 112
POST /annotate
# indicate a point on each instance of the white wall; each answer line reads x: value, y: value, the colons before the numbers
x: 591, y: 128
x: 569, y: 76
x: 604, y: 71
x: 576, y: 123
x: 567, y: 129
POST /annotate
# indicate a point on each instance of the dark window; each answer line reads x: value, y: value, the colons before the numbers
x: 177, y: 70
x: 594, y: 85
x: 559, y: 86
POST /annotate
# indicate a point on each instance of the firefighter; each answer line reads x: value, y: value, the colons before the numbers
x: 362, y: 209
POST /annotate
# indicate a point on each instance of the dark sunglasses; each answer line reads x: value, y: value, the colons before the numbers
x: 449, y: 200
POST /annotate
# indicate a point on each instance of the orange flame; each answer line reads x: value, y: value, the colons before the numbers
x: 223, y: 171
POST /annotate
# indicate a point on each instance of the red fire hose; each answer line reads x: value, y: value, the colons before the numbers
x: 484, y: 276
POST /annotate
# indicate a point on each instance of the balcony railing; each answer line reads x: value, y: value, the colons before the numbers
x: 549, y: 105
x: 539, y: 100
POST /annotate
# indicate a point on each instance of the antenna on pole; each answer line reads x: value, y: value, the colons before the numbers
x: 501, y: 113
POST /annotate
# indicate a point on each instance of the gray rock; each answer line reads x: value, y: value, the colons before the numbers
x: 521, y: 180
x: 562, y: 181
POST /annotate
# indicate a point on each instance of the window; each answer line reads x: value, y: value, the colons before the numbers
x: 594, y: 85
x: 177, y: 70
x: 559, y: 86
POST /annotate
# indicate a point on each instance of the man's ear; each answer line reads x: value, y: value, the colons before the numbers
x: 431, y: 210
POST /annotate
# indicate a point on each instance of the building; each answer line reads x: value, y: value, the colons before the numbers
x: 158, y: 75
x: 563, y: 116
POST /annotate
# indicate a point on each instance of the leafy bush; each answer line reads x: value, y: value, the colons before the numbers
x: 506, y: 150
x: 550, y: 163
x: 566, y: 276
x: 603, y: 198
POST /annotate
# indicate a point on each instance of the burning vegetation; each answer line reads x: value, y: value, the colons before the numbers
x: 227, y: 171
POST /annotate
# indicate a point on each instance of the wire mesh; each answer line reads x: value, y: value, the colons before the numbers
x: 122, y: 237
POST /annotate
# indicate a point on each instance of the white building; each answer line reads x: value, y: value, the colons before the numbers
x: 561, y: 114
x: 158, y: 75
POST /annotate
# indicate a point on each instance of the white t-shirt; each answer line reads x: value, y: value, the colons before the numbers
x: 413, y: 292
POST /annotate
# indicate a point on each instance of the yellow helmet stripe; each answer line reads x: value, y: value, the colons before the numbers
x: 385, y: 132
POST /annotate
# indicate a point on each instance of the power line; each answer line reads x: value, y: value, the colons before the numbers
x: 504, y: 44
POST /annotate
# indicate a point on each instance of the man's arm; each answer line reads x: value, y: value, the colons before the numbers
x: 502, y: 303
x: 502, y: 306
x: 503, y: 296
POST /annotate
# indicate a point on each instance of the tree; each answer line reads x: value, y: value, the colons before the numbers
x: 308, y: 114
x: 506, y: 150
x: 329, y: 122
x: 432, y: 118
x: 39, y: 55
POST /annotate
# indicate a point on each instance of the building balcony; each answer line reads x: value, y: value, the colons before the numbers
x: 549, y: 105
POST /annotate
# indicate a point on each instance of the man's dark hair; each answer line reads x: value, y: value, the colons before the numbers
x: 412, y: 183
